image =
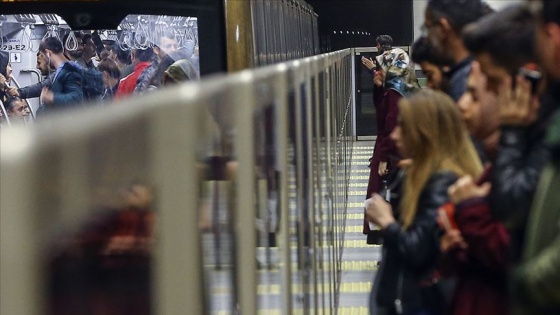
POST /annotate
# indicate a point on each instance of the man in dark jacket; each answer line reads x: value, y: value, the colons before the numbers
x: 444, y: 21
x: 536, y: 284
x: 34, y: 90
x: 502, y: 43
x: 66, y: 89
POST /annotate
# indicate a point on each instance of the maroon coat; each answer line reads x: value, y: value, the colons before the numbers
x: 387, y: 111
x: 481, y: 269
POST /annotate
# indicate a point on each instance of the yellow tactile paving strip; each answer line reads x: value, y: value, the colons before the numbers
x: 264, y: 289
x: 341, y: 311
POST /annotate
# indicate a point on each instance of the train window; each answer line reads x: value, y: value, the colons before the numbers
x: 156, y: 42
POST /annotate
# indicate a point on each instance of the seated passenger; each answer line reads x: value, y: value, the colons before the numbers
x: 16, y: 108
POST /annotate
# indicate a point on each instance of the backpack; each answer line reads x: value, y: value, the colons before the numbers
x: 92, y: 84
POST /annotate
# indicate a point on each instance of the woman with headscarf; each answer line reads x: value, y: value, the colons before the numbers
x: 394, y: 79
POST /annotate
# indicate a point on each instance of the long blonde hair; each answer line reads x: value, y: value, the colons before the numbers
x: 436, y: 139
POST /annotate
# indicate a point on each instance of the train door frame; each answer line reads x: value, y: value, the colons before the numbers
x: 358, y: 89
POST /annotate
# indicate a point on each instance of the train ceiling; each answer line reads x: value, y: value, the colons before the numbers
x: 107, y: 14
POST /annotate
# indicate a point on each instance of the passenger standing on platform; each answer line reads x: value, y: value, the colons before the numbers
x: 383, y: 44
x: 503, y: 44
x: 431, y: 133
x: 477, y: 248
x: 444, y: 21
x: 423, y: 55
x: 536, y: 285
x: 392, y: 81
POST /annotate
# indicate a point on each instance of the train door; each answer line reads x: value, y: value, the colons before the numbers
x: 364, y: 109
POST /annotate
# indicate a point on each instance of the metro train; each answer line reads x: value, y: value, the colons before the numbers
x: 223, y: 36
x: 264, y: 31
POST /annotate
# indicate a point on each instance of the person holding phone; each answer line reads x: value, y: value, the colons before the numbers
x: 394, y: 80
x: 431, y: 133
x: 383, y: 44
x: 503, y: 43
x: 476, y: 244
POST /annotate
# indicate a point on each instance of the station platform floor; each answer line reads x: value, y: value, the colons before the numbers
x: 358, y: 263
x: 359, y: 260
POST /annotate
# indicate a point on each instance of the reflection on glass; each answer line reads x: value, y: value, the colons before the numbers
x: 217, y: 200
x: 105, y: 268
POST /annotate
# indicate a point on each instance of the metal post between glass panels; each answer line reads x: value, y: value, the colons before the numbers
x: 281, y: 114
x: 178, y: 272
x: 306, y: 70
x: 242, y: 94
x: 20, y: 275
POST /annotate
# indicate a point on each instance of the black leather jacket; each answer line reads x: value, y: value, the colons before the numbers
x: 410, y: 256
x: 522, y: 154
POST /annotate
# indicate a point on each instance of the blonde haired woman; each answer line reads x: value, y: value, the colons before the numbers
x: 430, y: 131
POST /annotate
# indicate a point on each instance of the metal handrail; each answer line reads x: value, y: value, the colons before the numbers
x: 5, y: 113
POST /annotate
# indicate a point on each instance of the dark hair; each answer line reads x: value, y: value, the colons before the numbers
x: 423, y: 51
x: 507, y: 36
x: 385, y: 41
x: 109, y: 66
x: 551, y: 11
x: 9, y: 104
x: 51, y: 43
x: 122, y: 55
x: 458, y: 12
x: 487, y: 9
x: 144, y: 54
x: 87, y: 36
